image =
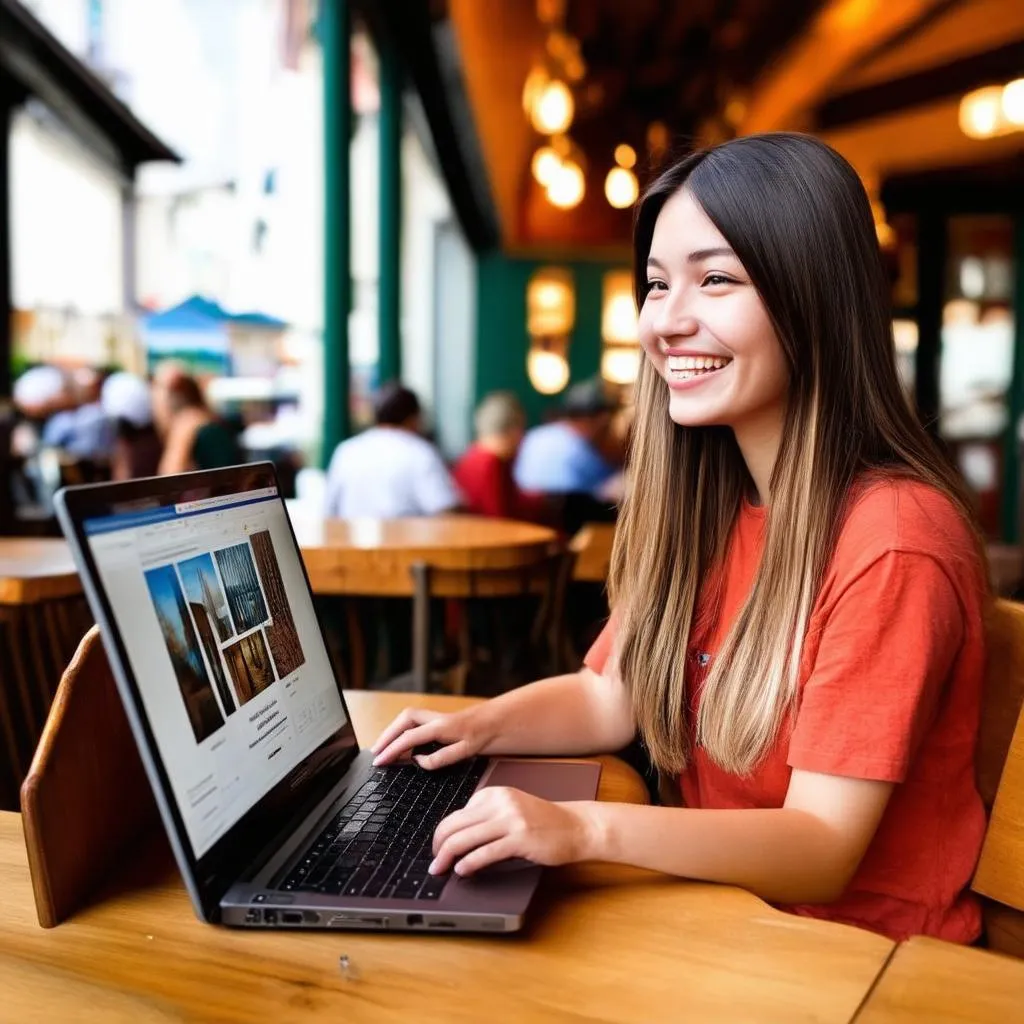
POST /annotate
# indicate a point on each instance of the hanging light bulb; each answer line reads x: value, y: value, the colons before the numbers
x: 625, y: 156
x: 548, y: 371
x: 1013, y: 102
x: 553, y: 109
x: 621, y: 188
x: 620, y: 365
x: 536, y: 82
x: 545, y: 165
x: 567, y: 186
x: 981, y: 112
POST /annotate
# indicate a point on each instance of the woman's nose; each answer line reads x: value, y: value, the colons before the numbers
x: 673, y: 320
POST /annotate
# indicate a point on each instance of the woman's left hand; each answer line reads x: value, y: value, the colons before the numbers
x: 499, y: 823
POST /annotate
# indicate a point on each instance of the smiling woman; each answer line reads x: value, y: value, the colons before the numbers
x: 797, y: 584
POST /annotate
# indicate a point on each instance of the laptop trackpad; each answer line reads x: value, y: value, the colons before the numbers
x: 550, y: 780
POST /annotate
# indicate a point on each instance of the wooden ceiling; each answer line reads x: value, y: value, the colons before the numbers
x: 880, y: 79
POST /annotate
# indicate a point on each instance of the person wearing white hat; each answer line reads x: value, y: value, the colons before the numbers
x: 127, y: 403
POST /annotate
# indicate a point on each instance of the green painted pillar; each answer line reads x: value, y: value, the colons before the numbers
x: 1014, y: 398
x: 389, y: 293
x: 334, y: 26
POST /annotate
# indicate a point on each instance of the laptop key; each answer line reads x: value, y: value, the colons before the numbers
x: 432, y: 887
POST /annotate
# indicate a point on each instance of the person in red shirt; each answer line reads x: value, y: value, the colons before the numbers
x: 484, y: 473
x: 797, y: 586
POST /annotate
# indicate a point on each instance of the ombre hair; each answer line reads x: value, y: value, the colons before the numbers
x: 797, y: 217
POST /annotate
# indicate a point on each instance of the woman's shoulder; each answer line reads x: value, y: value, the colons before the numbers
x: 902, y: 515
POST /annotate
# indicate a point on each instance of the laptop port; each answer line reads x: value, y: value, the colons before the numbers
x: 291, y: 917
x: 270, y: 917
x: 252, y: 916
x: 441, y: 924
x: 413, y: 919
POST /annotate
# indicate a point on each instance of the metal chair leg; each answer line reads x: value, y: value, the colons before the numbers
x: 421, y: 627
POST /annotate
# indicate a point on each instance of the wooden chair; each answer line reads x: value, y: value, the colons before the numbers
x: 86, y: 796
x: 1000, y: 770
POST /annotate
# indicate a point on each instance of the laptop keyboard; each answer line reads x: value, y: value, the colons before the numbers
x: 379, y: 843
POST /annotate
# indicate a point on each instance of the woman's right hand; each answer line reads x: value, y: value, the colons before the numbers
x: 461, y: 734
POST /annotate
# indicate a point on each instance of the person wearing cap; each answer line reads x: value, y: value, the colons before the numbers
x: 563, y: 457
x: 389, y: 470
x: 484, y: 473
x: 127, y: 403
x: 81, y: 430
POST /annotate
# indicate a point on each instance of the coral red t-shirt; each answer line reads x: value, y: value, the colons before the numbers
x: 890, y: 689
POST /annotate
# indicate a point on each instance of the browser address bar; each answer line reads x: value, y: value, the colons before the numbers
x: 227, y: 499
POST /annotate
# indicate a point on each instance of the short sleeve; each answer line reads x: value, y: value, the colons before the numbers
x: 435, y: 490
x: 884, y: 655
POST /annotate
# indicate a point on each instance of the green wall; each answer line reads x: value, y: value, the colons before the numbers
x: 501, y: 339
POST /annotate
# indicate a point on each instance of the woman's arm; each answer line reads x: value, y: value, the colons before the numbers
x: 578, y: 713
x: 804, y: 852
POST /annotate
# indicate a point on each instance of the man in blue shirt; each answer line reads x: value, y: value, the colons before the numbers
x: 563, y: 457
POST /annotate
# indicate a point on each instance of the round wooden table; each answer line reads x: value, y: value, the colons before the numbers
x: 457, y: 556
x: 36, y: 569
x: 468, y: 556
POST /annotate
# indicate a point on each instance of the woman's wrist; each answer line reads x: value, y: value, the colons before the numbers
x: 594, y: 834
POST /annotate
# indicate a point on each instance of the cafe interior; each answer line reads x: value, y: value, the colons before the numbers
x: 468, y: 172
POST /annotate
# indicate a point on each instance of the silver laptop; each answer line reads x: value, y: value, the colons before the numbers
x: 277, y: 818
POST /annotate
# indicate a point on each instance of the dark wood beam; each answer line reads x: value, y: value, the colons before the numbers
x: 42, y: 66
x: 923, y: 87
x: 837, y: 37
x: 425, y: 44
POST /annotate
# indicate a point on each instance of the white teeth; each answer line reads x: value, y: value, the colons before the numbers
x: 678, y: 364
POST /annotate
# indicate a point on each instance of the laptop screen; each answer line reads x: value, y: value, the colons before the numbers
x: 218, y: 624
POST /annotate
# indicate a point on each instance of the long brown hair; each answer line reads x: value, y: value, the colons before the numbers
x: 798, y: 219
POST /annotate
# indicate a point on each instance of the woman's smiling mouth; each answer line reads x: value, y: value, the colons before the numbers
x: 682, y: 368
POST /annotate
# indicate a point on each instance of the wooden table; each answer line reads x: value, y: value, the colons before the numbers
x: 36, y: 569
x: 456, y: 556
x: 937, y: 982
x: 43, y: 615
x: 593, y: 547
x: 606, y: 944
x: 468, y: 556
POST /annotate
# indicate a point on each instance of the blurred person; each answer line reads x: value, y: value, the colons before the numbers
x: 389, y: 470
x: 39, y: 393
x: 127, y: 403
x: 564, y: 457
x: 166, y: 373
x: 194, y: 437
x: 83, y: 431
x: 484, y: 473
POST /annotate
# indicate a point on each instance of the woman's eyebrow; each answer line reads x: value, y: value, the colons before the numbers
x: 699, y: 255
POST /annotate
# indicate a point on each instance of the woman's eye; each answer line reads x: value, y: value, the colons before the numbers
x: 714, y: 279
x: 656, y: 286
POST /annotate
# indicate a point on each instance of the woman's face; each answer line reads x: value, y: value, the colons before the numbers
x: 704, y: 328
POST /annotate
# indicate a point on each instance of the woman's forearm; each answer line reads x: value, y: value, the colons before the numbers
x: 579, y: 713
x: 783, y: 855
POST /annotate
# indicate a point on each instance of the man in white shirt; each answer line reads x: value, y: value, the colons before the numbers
x: 389, y: 470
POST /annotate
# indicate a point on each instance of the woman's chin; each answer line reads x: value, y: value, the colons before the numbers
x: 685, y: 412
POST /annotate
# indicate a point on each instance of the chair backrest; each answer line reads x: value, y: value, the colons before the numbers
x: 1000, y: 765
x: 86, y: 796
x: 1004, y: 693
